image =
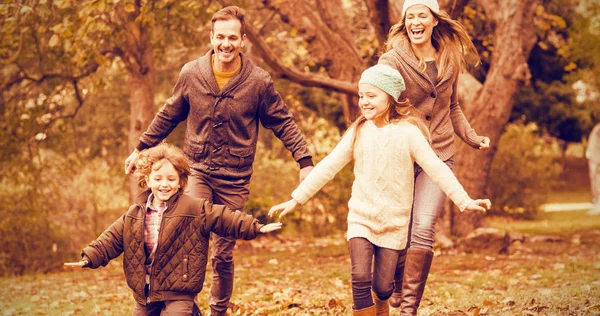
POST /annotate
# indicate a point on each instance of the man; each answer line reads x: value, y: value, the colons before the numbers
x: 223, y: 96
x: 593, y: 155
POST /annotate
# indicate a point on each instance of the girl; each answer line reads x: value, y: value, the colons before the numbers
x: 384, y: 141
x: 429, y: 49
x: 164, y: 236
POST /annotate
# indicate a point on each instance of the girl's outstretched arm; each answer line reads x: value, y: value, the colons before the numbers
x: 481, y: 205
x: 284, y: 208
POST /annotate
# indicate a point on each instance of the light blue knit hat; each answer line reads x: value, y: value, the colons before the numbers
x: 385, y: 78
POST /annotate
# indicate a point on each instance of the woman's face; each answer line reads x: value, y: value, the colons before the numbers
x: 419, y: 22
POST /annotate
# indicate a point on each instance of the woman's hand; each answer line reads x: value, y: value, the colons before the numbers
x: 270, y: 227
x: 284, y: 208
x: 479, y: 205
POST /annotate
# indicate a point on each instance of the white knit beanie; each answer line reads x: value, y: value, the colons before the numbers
x: 431, y: 4
x: 385, y: 78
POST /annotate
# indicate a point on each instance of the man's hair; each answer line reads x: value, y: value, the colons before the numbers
x: 229, y: 13
x: 149, y: 157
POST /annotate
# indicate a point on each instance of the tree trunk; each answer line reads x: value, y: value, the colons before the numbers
x: 490, y: 109
x: 139, y: 62
x: 142, y: 111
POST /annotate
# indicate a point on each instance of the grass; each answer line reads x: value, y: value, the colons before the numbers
x: 304, y: 276
x: 549, y: 223
x: 277, y: 276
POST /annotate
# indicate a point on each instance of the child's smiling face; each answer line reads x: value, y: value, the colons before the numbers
x: 163, y: 180
x: 374, y: 103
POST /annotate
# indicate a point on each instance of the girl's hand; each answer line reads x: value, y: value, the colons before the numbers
x: 270, y: 227
x: 82, y: 263
x: 479, y: 205
x: 485, y: 144
x: 284, y: 208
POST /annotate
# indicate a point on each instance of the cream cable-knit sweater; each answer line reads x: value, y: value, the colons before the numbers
x: 382, y: 192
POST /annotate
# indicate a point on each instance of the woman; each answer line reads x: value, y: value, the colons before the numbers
x: 429, y: 49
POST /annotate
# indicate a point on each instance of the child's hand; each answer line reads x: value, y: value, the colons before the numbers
x: 82, y: 263
x: 270, y: 227
x: 479, y: 205
x: 284, y: 208
x: 485, y: 144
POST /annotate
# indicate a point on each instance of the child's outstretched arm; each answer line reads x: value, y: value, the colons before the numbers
x: 284, y: 208
x: 108, y: 246
x: 226, y: 222
x: 441, y: 174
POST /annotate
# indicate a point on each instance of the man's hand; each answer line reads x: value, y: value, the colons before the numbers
x: 130, y: 161
x: 270, y: 227
x: 284, y: 208
x: 82, y: 263
x: 304, y: 172
x: 485, y: 144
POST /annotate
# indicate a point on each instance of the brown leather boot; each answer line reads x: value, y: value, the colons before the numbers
x: 396, y: 297
x: 382, y: 308
x: 416, y: 270
x: 367, y: 311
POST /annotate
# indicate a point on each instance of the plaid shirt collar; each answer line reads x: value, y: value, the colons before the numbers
x: 150, y: 206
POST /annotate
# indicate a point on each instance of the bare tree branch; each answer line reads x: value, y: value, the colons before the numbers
x: 311, y: 80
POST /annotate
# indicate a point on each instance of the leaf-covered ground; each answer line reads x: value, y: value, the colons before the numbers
x: 557, y: 274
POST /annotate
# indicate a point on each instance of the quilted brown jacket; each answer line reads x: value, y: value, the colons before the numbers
x: 182, y: 250
x: 222, y: 125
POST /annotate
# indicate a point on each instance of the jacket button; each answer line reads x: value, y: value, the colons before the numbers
x: 428, y: 117
x: 148, y: 300
x: 184, y: 259
x: 185, y: 276
x: 432, y: 94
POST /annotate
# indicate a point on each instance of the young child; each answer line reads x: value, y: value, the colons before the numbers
x: 385, y: 142
x: 164, y: 236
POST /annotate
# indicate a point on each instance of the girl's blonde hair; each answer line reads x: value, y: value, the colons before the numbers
x: 397, y: 111
x: 449, y: 38
x: 152, y: 159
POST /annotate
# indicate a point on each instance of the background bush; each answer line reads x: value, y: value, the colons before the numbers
x: 525, y: 169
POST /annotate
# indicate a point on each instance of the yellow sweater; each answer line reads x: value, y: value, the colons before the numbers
x: 223, y: 77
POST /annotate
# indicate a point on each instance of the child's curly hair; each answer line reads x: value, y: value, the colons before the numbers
x: 150, y: 159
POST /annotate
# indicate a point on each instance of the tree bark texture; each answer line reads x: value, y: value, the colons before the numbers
x: 139, y: 62
x: 490, y: 108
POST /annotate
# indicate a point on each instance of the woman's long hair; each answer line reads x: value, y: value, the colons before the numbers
x: 397, y: 111
x: 449, y: 38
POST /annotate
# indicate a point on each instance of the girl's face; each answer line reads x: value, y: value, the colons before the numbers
x: 419, y: 22
x: 163, y: 180
x: 374, y: 103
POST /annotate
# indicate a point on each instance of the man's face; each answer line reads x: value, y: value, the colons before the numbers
x: 227, y: 40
